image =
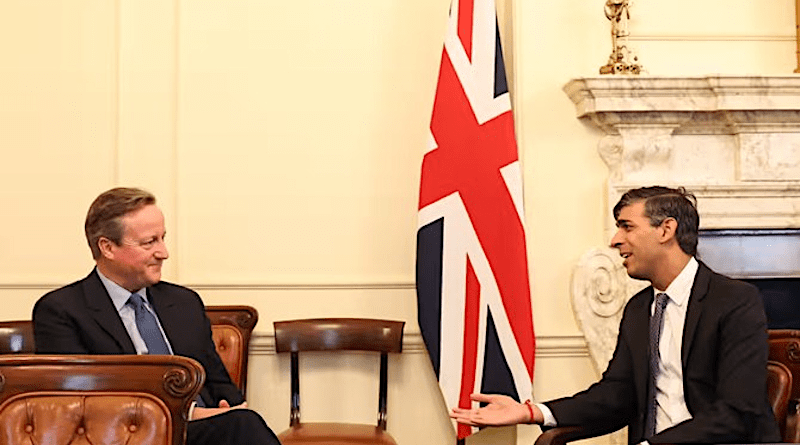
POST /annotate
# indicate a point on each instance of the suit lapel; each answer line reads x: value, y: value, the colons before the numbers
x: 165, y: 308
x: 640, y: 320
x: 694, y: 310
x: 104, y: 313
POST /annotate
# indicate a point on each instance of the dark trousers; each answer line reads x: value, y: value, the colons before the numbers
x: 235, y: 427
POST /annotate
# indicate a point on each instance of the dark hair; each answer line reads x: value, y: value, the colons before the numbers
x: 662, y: 203
x: 103, y: 218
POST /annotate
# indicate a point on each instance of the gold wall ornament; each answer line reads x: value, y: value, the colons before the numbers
x: 622, y: 60
x: 797, y: 25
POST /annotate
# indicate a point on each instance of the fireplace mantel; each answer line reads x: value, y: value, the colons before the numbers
x: 732, y: 141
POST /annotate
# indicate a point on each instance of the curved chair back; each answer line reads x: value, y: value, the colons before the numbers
x: 96, y: 399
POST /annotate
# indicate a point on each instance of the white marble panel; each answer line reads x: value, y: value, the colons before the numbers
x: 769, y: 156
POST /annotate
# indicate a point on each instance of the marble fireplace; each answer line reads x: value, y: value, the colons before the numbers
x: 733, y: 141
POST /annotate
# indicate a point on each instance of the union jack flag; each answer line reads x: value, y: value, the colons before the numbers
x: 473, y: 291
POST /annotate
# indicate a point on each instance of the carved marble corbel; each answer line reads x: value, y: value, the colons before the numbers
x: 600, y: 289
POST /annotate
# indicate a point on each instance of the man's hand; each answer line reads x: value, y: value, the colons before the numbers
x: 501, y: 410
x: 224, y: 406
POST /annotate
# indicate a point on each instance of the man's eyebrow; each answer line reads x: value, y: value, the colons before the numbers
x: 621, y: 222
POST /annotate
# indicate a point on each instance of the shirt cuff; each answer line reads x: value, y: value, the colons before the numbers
x: 191, y: 409
x: 549, y: 419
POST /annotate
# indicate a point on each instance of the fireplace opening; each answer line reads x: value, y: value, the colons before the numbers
x: 767, y: 258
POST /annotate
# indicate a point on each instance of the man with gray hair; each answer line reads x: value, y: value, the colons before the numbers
x: 123, y: 307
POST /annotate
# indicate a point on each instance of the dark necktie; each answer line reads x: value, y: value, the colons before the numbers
x: 151, y: 334
x: 656, y: 326
x: 148, y: 327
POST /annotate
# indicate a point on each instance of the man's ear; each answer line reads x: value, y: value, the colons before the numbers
x: 106, y: 247
x: 668, y: 228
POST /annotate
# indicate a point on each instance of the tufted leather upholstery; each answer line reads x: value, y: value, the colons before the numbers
x: 90, y: 399
x: 231, y: 329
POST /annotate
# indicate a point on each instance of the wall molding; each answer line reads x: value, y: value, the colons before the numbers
x: 547, y: 347
x: 199, y: 287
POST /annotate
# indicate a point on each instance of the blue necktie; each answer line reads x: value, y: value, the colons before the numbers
x: 656, y: 326
x: 148, y: 327
x: 151, y: 334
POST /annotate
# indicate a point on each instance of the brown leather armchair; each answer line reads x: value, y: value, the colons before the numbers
x: 231, y: 328
x: 16, y: 337
x: 108, y: 399
x: 784, y: 347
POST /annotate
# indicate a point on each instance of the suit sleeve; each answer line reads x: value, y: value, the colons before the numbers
x: 729, y: 404
x: 609, y: 404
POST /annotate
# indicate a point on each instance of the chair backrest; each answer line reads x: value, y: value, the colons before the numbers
x: 339, y: 334
x: 232, y: 327
x: 16, y: 337
x: 96, y: 399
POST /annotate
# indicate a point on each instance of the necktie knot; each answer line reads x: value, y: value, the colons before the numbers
x: 137, y: 302
x: 661, y: 300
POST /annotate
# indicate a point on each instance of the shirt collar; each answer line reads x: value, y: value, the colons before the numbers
x: 119, y: 295
x: 681, y: 287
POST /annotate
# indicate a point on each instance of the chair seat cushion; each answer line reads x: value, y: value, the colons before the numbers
x: 335, y: 434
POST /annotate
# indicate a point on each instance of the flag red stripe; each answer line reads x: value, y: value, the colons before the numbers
x: 469, y: 363
x: 465, y: 11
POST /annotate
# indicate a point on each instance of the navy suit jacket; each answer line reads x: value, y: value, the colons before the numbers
x: 724, y: 358
x: 81, y: 319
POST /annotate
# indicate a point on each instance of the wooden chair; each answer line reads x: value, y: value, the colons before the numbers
x: 779, y: 387
x: 232, y: 328
x: 337, y: 334
x: 78, y: 399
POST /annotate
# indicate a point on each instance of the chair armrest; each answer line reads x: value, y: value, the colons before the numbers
x: 561, y: 435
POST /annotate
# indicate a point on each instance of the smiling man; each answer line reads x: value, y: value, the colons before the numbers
x: 123, y: 307
x: 691, y: 355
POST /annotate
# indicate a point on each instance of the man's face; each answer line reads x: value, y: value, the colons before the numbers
x: 136, y: 262
x: 637, y: 241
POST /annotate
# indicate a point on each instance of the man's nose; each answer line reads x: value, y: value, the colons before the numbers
x: 161, y: 250
x: 616, y: 240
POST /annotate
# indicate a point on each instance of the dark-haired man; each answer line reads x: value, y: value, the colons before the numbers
x: 123, y: 307
x: 691, y: 354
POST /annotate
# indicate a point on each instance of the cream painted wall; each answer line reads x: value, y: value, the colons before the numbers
x: 284, y: 140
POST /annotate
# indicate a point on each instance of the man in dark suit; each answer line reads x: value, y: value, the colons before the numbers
x: 691, y: 354
x: 123, y: 307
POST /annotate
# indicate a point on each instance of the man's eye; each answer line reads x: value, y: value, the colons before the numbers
x: 149, y: 243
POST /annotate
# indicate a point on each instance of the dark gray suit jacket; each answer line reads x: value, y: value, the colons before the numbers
x: 81, y: 319
x: 724, y: 355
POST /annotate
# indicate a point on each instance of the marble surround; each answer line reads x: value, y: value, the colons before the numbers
x: 733, y: 141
